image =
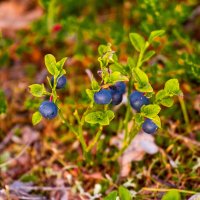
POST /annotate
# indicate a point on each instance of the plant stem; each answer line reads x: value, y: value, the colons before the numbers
x: 128, y: 109
x: 71, y: 128
x: 167, y: 190
x: 95, y: 140
x: 79, y: 134
x: 185, y: 114
x: 51, y: 14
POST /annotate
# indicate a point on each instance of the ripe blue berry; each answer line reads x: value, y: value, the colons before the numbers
x: 48, y: 109
x: 103, y: 97
x: 116, y: 96
x: 61, y: 82
x: 149, y: 126
x: 137, y: 100
x: 120, y: 87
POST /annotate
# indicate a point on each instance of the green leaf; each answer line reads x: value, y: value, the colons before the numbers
x: 117, y: 67
x: 90, y: 94
x: 36, y: 118
x: 132, y: 63
x: 172, y: 195
x: 62, y: 72
x: 155, y: 34
x: 3, y: 102
x: 161, y: 95
x: 102, y: 49
x: 110, y: 115
x: 50, y: 63
x: 139, y: 119
x: 124, y: 193
x: 60, y: 64
x: 163, y: 98
x: 115, y: 77
x: 150, y: 110
x: 137, y: 41
x: 100, y: 117
x: 95, y: 85
x: 37, y: 90
x: 142, y: 82
x: 144, y: 88
x: 172, y: 87
x: 156, y: 120
x: 111, y: 196
x: 49, y: 81
x: 148, y: 55
x: 168, y: 102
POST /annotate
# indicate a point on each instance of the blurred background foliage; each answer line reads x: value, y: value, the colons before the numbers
x: 75, y: 28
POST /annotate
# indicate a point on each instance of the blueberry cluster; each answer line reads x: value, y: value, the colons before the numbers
x: 48, y: 109
x: 137, y: 100
x: 113, y: 94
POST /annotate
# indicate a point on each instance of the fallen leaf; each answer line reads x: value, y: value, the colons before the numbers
x: 14, y: 16
x: 195, y: 197
x: 197, y: 103
x: 141, y: 144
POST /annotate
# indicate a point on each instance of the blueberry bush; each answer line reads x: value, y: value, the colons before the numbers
x: 99, y: 99
x: 109, y: 92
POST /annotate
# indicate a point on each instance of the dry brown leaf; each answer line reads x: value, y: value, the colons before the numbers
x: 13, y: 16
x: 197, y: 103
x: 142, y: 143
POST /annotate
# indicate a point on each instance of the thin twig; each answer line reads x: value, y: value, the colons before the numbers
x: 18, y: 155
x: 167, y: 190
x: 42, y: 188
x: 8, y: 138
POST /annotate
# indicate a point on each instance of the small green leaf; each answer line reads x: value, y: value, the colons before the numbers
x: 50, y: 63
x: 156, y: 120
x: 3, y: 102
x: 155, y: 34
x: 172, y: 87
x: 37, y: 90
x: 168, y: 102
x: 150, y: 110
x: 62, y: 72
x: 163, y: 98
x: 110, y: 115
x: 36, y: 118
x: 132, y: 62
x: 100, y: 117
x: 49, y: 81
x: 142, y: 81
x: 117, y: 67
x: 148, y: 55
x: 60, y: 64
x: 144, y: 87
x: 90, y: 94
x: 115, y: 77
x: 172, y: 195
x: 124, y: 193
x: 161, y: 95
x: 139, y: 119
x: 111, y: 196
x: 95, y: 85
x: 137, y: 41
x: 102, y: 49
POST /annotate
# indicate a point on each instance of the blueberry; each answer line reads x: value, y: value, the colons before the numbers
x: 137, y: 100
x: 149, y: 126
x: 61, y: 82
x: 48, y: 109
x: 120, y: 87
x: 116, y: 96
x: 103, y: 97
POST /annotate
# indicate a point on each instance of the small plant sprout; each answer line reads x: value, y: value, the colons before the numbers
x: 117, y: 79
